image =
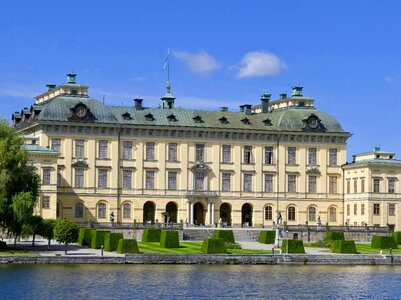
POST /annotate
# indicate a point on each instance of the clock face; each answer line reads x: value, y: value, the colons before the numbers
x: 81, y: 112
x: 313, y: 122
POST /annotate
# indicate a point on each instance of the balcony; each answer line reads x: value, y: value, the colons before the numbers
x: 202, y: 194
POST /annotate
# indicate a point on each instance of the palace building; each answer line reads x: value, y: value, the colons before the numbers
x: 184, y: 165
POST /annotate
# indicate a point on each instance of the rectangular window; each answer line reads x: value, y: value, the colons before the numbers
x: 312, y: 156
x: 172, y: 180
x: 46, y: 176
x: 333, y: 184
x: 127, y: 150
x: 391, y: 209
x: 79, y: 148
x: 247, y: 154
x: 292, y: 155
x: 268, y: 183
x: 247, y: 182
x: 363, y: 185
x: 199, y: 181
x: 127, y: 179
x: 348, y: 210
x: 268, y: 155
x: 150, y: 180
x: 102, y: 153
x: 150, y: 151
x: 226, y: 182
x: 312, y: 184
x: 348, y: 186
x: 268, y: 213
x: 102, y: 179
x: 58, y: 177
x: 292, y: 183
x: 333, y: 157
x: 376, y: 185
x: 79, y: 178
x: 391, y: 186
x: 355, y: 209
x: 56, y: 144
x: 45, y: 201
x: 172, y: 152
x: 226, y: 154
x: 200, y: 152
x: 355, y: 186
x: 362, y: 209
x: 376, y: 209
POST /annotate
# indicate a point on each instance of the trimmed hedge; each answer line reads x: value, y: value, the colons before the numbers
x: 213, y: 246
x: 343, y: 246
x: 151, y: 235
x: 98, y: 238
x: 334, y: 236
x: 267, y: 237
x: 397, y: 237
x: 383, y: 242
x: 111, y: 240
x: 294, y: 246
x: 127, y: 246
x: 169, y: 239
x: 227, y: 235
x: 84, y: 236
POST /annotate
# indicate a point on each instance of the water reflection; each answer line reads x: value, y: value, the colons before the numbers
x: 198, y: 282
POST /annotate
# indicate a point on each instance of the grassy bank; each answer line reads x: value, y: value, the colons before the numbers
x: 16, y: 252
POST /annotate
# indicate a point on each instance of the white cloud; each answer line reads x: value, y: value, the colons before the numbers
x: 258, y: 63
x: 390, y: 80
x: 200, y: 63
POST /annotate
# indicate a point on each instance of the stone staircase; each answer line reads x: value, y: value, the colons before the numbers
x: 197, y: 234
x: 240, y: 234
x: 246, y: 235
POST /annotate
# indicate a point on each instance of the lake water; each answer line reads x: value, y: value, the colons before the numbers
x: 198, y: 282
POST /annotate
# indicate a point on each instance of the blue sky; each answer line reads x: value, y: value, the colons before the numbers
x: 346, y: 54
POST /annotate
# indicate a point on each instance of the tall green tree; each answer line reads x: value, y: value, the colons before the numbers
x: 47, y: 230
x: 19, y: 182
x: 66, y: 232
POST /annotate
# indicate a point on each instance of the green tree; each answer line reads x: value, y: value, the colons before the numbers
x: 66, y: 232
x: 19, y: 182
x: 33, y: 227
x: 47, y: 230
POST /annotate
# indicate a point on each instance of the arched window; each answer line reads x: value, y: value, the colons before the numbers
x: 333, y: 214
x: 127, y: 211
x: 268, y: 213
x: 312, y: 214
x: 79, y: 210
x: 291, y: 213
x: 101, y: 211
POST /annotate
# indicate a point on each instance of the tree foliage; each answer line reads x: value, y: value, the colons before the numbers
x: 47, y: 230
x: 19, y: 182
x: 66, y: 231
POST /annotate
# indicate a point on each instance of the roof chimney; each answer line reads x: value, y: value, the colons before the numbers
x: 297, y: 91
x: 138, y: 104
x: 50, y: 86
x: 248, y: 109
x: 223, y: 108
x: 265, y: 98
x: 283, y: 95
x: 71, y: 77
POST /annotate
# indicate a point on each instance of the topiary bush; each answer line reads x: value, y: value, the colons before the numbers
x: 213, y: 246
x: 267, y: 237
x: 334, y: 236
x: 98, y: 238
x: 294, y: 246
x: 151, y: 235
x: 84, y: 236
x: 383, y: 242
x: 127, y: 246
x: 227, y: 235
x: 169, y: 239
x: 397, y: 237
x: 111, y: 240
x: 343, y: 246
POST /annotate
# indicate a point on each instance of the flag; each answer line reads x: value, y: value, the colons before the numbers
x: 167, y: 60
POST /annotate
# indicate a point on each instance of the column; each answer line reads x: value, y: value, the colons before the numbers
x: 209, y: 217
x: 191, y: 213
x: 188, y: 212
x: 212, y: 213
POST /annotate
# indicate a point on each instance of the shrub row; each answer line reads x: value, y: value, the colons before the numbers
x: 227, y: 235
x: 213, y: 246
x: 397, y: 237
x: 127, y: 246
x: 84, y: 236
x: 112, y: 240
x: 151, y: 235
x: 343, y: 246
x: 169, y: 239
x: 334, y: 236
x: 383, y: 242
x: 98, y: 237
x: 294, y: 246
x: 267, y: 237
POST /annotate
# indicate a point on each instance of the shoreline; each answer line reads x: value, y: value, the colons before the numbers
x: 212, y: 259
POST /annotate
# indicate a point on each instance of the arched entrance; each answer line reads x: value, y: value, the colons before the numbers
x: 149, y: 212
x: 246, y: 214
x: 199, y: 214
x: 171, y: 210
x: 225, y: 214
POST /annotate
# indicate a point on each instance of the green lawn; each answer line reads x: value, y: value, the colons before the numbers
x: 365, y: 248
x: 189, y: 248
x: 16, y: 252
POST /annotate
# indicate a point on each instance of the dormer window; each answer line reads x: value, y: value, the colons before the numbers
x: 149, y: 117
x: 172, y: 118
x: 377, y: 156
x: 390, y: 157
x: 246, y: 121
x: 223, y: 120
x: 267, y: 122
x: 74, y: 92
x: 126, y: 116
x: 197, y: 119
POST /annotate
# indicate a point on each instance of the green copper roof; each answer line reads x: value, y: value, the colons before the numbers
x: 376, y: 161
x: 39, y: 149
